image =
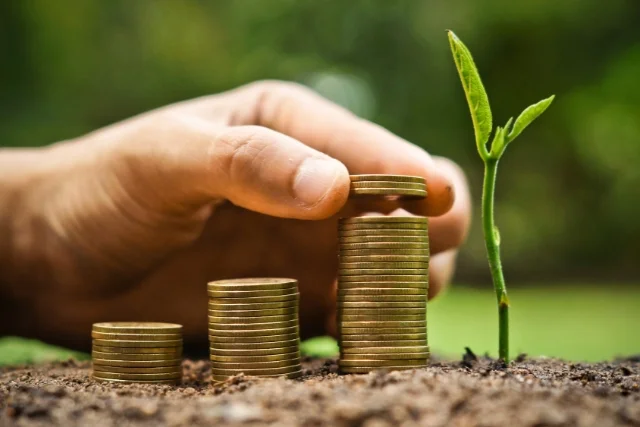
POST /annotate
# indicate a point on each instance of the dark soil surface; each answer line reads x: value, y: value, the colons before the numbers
x: 474, y: 392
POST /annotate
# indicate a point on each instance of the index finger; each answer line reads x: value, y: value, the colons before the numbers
x: 364, y: 148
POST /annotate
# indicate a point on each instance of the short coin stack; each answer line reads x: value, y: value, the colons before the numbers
x: 253, y: 328
x: 383, y: 283
x: 141, y: 352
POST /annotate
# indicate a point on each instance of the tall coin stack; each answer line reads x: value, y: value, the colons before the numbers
x: 253, y: 328
x: 141, y: 352
x: 383, y: 281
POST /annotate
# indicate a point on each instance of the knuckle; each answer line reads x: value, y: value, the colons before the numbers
x: 238, y: 150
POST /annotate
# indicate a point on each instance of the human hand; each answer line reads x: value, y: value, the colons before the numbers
x: 130, y: 222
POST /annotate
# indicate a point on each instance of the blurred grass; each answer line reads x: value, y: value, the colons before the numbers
x: 573, y: 322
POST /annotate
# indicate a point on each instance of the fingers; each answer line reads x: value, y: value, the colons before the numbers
x: 441, y: 269
x: 190, y: 161
x: 363, y: 147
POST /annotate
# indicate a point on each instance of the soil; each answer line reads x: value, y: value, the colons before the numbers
x: 472, y: 392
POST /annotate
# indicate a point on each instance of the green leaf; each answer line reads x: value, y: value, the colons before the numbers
x: 527, y: 116
x: 474, y: 90
x: 499, y: 142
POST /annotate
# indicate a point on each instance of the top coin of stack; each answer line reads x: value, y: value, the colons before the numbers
x: 253, y: 328
x: 147, y: 352
x: 382, y: 287
x: 388, y: 185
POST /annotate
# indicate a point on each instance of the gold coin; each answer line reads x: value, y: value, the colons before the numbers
x: 348, y: 266
x: 420, y: 299
x: 293, y: 362
x: 215, y: 345
x: 290, y: 375
x: 241, y: 352
x: 371, y: 226
x: 136, y: 377
x: 137, y: 343
x: 400, y: 192
x: 346, y: 319
x: 384, y: 245
x: 367, y: 369
x: 138, y: 327
x: 137, y: 369
x: 254, y: 284
x: 384, y: 272
x: 384, y: 258
x: 377, y: 238
x: 388, y: 357
x: 248, y: 293
x: 166, y: 352
x: 369, y: 252
x: 396, y: 278
x: 372, y: 362
x: 375, y: 333
x: 389, y: 351
x: 144, y: 357
x: 379, y: 219
x: 347, y: 286
x: 221, y: 304
x: 387, y: 177
x: 389, y: 184
x: 361, y: 345
x: 394, y: 336
x: 135, y: 337
x: 366, y: 305
x: 248, y: 320
x: 213, y: 323
x: 384, y: 232
x: 372, y: 291
x: 158, y: 382
x: 291, y: 311
x: 251, y: 360
x: 135, y: 363
x: 249, y: 300
x: 254, y: 371
x: 251, y: 332
x: 257, y: 341
x: 382, y: 324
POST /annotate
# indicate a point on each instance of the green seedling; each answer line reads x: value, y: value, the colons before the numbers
x: 483, y: 126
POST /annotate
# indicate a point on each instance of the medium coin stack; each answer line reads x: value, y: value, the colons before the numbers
x: 141, y: 352
x: 253, y: 328
x: 383, y: 282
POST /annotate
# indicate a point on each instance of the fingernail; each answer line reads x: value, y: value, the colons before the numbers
x: 315, y: 178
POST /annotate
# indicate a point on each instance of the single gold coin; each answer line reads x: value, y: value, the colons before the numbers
x: 137, y: 343
x: 143, y: 357
x: 135, y: 337
x: 249, y: 300
x: 348, y: 266
x: 361, y: 345
x: 158, y: 382
x: 373, y: 291
x: 383, y: 226
x: 376, y: 333
x: 384, y: 258
x: 251, y: 332
x: 376, y: 336
x: 389, y: 184
x: 384, y: 305
x: 252, y: 320
x: 293, y: 362
x: 390, y: 350
x: 346, y: 319
x: 389, y: 357
x: 291, y: 311
x: 216, y: 371
x: 249, y: 293
x: 383, y: 310
x: 383, y: 272
x: 258, y: 341
x: 381, y: 219
x: 367, y: 369
x: 290, y: 375
x: 253, y: 284
x: 382, y: 324
x: 242, y: 352
x: 167, y: 352
x: 369, y: 252
x: 222, y: 304
x: 422, y: 286
x: 252, y: 344
x: 137, y: 369
x: 419, y: 299
x: 387, y: 177
x: 399, y: 192
x: 372, y: 362
x: 396, y: 278
x: 137, y: 327
x: 227, y: 326
x: 420, y: 233
x: 136, y: 377
x: 376, y: 238
x: 384, y: 245
x: 250, y: 360
x: 136, y: 363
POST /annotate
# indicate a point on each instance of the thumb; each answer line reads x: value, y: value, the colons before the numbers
x: 190, y: 162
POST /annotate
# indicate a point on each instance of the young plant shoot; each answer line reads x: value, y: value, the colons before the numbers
x: 483, y: 126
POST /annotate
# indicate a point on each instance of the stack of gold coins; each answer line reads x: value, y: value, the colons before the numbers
x: 141, y: 352
x: 253, y: 328
x: 383, y: 282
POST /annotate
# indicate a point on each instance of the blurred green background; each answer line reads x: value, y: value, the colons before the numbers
x: 568, y: 200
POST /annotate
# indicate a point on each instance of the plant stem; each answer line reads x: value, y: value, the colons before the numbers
x: 492, y: 240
